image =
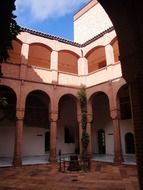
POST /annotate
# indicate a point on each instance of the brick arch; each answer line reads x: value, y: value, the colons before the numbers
x: 114, y: 44
x: 96, y: 58
x: 68, y: 61
x: 90, y: 99
x: 15, y: 53
x: 39, y: 55
x: 37, y: 109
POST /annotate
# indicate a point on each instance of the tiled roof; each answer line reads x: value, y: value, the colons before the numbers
x: 44, y: 35
x: 98, y: 36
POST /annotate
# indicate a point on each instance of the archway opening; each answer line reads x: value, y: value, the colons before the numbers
x: 68, y: 132
x: 102, y: 132
x: 36, y: 138
x: 129, y: 143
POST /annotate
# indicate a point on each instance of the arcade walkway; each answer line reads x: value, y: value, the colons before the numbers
x: 102, y: 176
x: 44, y: 159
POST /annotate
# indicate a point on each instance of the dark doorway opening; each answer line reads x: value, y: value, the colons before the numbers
x: 101, y: 141
x: 129, y: 143
x: 47, y: 141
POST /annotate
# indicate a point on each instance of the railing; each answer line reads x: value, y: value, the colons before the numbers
x: 74, y: 162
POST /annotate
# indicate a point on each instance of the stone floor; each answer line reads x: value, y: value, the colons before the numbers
x: 102, y: 176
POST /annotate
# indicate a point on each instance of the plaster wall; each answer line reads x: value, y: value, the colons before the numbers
x: 91, y: 23
x: 7, y: 137
x: 33, y: 141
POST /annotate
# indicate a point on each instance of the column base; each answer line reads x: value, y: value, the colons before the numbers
x: 53, y: 156
x: 17, y: 162
x: 118, y: 160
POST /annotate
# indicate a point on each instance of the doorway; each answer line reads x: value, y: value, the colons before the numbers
x: 101, y: 141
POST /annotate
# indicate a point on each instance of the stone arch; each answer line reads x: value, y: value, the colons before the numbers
x: 127, y: 20
x: 96, y: 58
x: 68, y: 61
x: 39, y: 55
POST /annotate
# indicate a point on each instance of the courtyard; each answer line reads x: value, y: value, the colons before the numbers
x: 102, y: 176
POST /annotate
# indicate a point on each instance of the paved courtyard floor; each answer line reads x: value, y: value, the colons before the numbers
x: 102, y: 176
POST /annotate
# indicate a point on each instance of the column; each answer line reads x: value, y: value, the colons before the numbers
x: 17, y: 160
x: 53, y: 138
x: 136, y: 92
x: 109, y: 54
x: 82, y: 66
x: 54, y: 66
x: 24, y: 60
x: 82, y: 70
x: 118, y: 158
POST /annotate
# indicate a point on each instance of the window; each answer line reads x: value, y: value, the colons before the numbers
x: 129, y: 143
x: 69, y: 135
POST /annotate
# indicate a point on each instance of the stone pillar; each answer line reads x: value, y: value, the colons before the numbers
x: 82, y: 66
x: 82, y: 70
x: 118, y: 157
x: 53, y: 138
x: 54, y: 66
x: 109, y: 54
x: 17, y: 160
x: 24, y: 60
x: 136, y: 92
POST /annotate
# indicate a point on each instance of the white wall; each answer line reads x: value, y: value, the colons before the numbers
x: 61, y: 145
x: 7, y: 136
x: 91, y: 23
x: 33, y: 141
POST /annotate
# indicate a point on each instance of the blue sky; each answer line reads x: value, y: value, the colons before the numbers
x: 54, y: 17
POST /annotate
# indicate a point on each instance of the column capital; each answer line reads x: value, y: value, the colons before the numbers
x: 53, y: 117
x: 20, y: 113
x: 115, y: 113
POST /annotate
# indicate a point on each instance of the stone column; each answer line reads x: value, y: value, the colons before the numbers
x: 53, y: 138
x: 82, y: 70
x: 109, y: 54
x: 118, y: 158
x: 17, y: 159
x: 136, y: 92
x: 24, y: 60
